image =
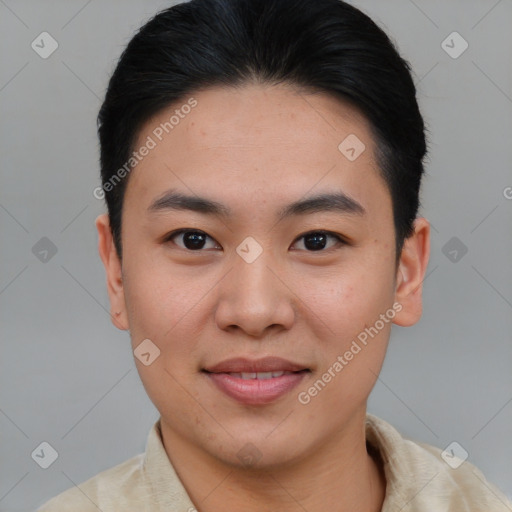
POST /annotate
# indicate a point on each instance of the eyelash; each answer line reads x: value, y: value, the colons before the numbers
x: 340, y: 240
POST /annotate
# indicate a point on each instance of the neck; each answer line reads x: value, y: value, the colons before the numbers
x: 340, y: 476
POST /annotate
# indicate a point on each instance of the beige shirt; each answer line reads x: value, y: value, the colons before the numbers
x: 418, y: 480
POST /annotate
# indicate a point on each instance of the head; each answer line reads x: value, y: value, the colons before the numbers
x: 261, y: 163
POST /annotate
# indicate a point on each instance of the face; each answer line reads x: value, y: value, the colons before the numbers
x: 290, y: 268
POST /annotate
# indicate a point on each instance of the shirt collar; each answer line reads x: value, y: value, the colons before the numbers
x: 168, y: 492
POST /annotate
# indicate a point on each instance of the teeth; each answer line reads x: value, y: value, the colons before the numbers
x: 264, y: 375
x: 258, y: 375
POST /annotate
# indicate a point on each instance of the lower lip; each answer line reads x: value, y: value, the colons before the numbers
x: 256, y: 391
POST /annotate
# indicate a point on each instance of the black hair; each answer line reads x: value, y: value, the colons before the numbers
x: 319, y: 45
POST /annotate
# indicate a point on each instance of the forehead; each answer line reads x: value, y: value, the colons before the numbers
x: 265, y: 143
x: 263, y: 117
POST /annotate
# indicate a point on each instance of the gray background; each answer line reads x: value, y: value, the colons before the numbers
x: 67, y: 374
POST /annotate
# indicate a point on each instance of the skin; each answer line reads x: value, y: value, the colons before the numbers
x: 256, y: 149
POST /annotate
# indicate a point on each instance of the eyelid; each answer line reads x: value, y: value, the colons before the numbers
x: 341, y: 238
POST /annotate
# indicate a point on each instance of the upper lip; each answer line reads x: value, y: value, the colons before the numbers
x: 244, y: 365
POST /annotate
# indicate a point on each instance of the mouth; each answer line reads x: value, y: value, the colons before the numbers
x: 256, y: 382
x: 258, y: 375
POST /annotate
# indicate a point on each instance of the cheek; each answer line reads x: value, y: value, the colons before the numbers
x: 151, y: 297
x: 349, y: 304
x: 348, y: 298
x: 351, y: 351
x: 166, y: 306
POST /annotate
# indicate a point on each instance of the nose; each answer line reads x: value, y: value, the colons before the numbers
x: 255, y: 298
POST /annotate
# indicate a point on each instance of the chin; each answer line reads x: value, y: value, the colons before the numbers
x: 257, y: 453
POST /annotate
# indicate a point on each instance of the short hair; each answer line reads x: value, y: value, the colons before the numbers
x: 324, y: 46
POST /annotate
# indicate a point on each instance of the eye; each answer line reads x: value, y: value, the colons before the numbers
x: 196, y: 240
x: 318, y: 240
x: 192, y: 239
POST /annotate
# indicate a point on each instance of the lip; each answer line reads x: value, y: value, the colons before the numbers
x: 254, y: 391
x: 266, y: 364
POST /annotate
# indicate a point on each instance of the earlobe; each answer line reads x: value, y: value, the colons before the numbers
x: 113, y: 269
x: 411, y: 273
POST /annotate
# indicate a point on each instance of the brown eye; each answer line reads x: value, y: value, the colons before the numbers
x: 319, y: 240
x: 192, y: 240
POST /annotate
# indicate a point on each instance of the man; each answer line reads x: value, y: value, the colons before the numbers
x: 261, y: 162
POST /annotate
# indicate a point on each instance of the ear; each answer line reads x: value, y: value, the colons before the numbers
x: 113, y: 270
x: 411, y: 273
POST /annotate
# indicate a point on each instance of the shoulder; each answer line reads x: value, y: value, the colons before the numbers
x: 418, y: 476
x: 144, y: 483
x: 110, y: 487
x: 462, y: 482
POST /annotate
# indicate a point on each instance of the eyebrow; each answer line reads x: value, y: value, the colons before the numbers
x: 338, y: 202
